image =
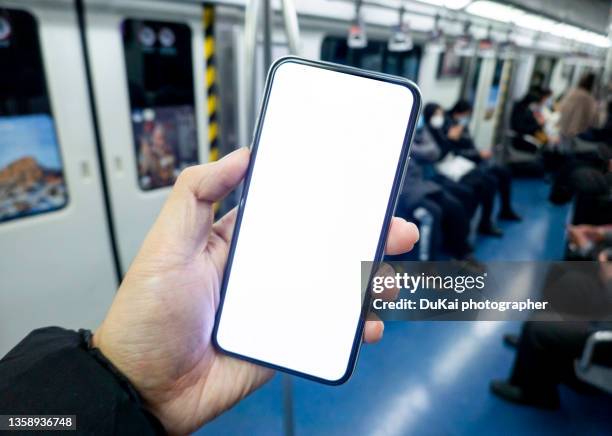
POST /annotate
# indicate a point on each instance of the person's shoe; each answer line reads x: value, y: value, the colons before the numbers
x: 491, y: 230
x: 511, y: 340
x: 516, y: 394
x: 471, y: 264
x: 509, y: 215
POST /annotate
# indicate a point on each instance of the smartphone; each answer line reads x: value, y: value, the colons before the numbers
x: 330, y: 150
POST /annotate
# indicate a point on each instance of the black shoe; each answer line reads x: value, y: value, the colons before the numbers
x: 509, y: 215
x: 491, y: 230
x: 511, y: 340
x: 516, y: 394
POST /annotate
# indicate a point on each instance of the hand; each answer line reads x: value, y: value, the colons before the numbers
x: 455, y: 132
x: 583, y: 234
x: 158, y: 329
x: 486, y: 154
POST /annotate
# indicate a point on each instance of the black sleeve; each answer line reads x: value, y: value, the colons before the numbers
x: 523, y: 121
x: 54, y: 371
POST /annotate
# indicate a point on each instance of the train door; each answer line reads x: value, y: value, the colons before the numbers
x: 57, y: 263
x: 487, y: 102
x: 147, y: 63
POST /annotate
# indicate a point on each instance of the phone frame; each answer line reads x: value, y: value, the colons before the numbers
x: 400, y: 174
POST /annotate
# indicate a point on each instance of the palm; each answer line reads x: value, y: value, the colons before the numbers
x: 182, y: 378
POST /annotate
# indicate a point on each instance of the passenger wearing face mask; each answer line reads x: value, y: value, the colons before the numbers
x: 459, y: 175
x: 458, y: 134
x: 451, y: 217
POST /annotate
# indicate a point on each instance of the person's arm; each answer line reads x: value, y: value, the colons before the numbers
x: 425, y: 150
x: 56, y: 372
x: 464, y: 146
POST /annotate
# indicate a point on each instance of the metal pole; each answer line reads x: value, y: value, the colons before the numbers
x: 288, y: 418
x: 606, y: 82
x: 250, y: 46
x: 292, y: 28
x: 267, y: 34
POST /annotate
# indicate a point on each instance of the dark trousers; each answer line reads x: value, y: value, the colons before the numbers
x: 484, y: 187
x: 546, y: 355
x: 455, y: 223
x: 547, y: 349
x: 462, y: 192
x: 503, y: 177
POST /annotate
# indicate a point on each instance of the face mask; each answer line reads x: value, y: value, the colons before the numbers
x: 464, y: 121
x: 437, y: 121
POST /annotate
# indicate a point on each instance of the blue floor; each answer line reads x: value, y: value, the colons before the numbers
x: 429, y: 378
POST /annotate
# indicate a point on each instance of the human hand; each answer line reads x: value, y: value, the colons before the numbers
x: 158, y: 329
x: 455, y: 132
x: 578, y: 235
x: 486, y: 154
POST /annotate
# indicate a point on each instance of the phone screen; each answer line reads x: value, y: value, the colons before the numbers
x: 330, y: 147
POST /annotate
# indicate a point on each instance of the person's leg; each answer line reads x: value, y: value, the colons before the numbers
x: 504, y: 187
x: 455, y: 225
x: 435, y: 234
x: 545, y: 357
x: 465, y: 194
x: 484, y: 187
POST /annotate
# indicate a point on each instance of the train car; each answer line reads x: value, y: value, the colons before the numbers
x: 109, y: 109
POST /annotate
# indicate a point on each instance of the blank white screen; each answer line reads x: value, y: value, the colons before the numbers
x: 327, y: 156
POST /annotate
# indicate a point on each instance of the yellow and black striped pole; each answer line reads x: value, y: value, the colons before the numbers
x: 211, y: 81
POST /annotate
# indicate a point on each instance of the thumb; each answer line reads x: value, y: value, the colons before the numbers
x: 186, y: 219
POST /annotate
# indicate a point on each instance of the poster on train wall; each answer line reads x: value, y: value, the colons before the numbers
x: 450, y: 63
x: 31, y: 174
x: 166, y: 143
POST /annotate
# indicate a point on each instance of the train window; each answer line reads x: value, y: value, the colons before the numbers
x: 31, y: 171
x: 375, y: 57
x: 158, y: 58
x: 542, y: 72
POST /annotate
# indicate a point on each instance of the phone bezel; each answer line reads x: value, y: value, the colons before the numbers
x: 391, y: 204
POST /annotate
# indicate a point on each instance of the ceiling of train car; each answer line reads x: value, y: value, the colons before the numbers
x: 589, y: 14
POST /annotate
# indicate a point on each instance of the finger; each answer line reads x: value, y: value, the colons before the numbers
x: 402, y: 236
x: 211, y: 182
x: 186, y: 219
x: 225, y: 226
x: 373, y: 330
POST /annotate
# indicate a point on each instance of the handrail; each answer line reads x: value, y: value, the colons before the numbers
x: 292, y: 29
x: 593, y: 340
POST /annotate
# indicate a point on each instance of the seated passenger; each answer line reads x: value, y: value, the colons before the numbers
x: 546, y: 350
x: 460, y: 176
x: 527, y: 120
x: 545, y: 357
x: 461, y: 143
x: 454, y: 218
x: 587, y: 180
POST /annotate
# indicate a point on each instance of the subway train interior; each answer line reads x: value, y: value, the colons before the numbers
x: 103, y: 103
